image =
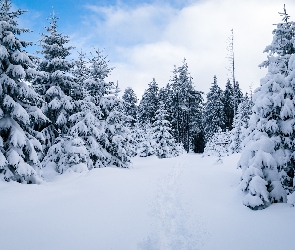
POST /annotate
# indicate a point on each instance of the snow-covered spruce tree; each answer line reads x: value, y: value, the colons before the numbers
x: 282, y: 46
x: 213, y: 117
x: 130, y: 109
x: 138, y: 137
x: 20, y: 115
x: 100, y: 120
x: 237, y: 95
x: 267, y: 160
x: 120, y: 140
x: 196, y: 129
x: 149, y: 103
x: 186, y: 106
x: 55, y: 83
x: 228, y: 103
x: 165, y: 143
x: 240, y: 125
x: 147, y: 146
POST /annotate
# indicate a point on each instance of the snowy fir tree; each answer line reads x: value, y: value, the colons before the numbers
x: 228, y: 103
x: 237, y: 96
x: 186, y: 109
x: 81, y: 73
x: 196, y: 129
x: 282, y: 46
x: 130, y: 109
x: 149, y: 103
x: 120, y: 140
x: 138, y: 137
x: 165, y: 143
x: 20, y: 114
x: 100, y: 121
x: 213, y: 117
x: 267, y: 160
x: 55, y: 82
x: 240, y: 125
x: 147, y: 147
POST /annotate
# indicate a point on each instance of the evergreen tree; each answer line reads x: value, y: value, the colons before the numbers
x: 186, y: 108
x: 20, y: 114
x: 228, y: 102
x: 138, y: 137
x: 55, y: 82
x: 237, y: 96
x: 149, y: 103
x: 119, y: 137
x: 147, y: 147
x: 240, y: 125
x: 282, y: 46
x: 267, y: 160
x: 130, y: 109
x: 196, y: 122
x: 100, y: 120
x: 165, y: 143
x: 213, y: 117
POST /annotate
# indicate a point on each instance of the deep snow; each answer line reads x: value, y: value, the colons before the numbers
x: 188, y: 202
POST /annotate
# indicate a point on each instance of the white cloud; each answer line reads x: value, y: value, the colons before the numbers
x: 146, y: 41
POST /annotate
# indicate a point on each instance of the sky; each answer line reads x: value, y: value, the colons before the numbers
x: 145, y: 39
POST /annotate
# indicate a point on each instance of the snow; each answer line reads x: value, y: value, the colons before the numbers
x: 187, y: 202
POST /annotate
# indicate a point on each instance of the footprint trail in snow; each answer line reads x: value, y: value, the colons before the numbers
x: 172, y: 227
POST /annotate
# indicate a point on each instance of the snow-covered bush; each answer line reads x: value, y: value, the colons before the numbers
x: 218, y: 145
x: 68, y: 154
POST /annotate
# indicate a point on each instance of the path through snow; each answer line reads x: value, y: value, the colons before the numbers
x: 171, y: 225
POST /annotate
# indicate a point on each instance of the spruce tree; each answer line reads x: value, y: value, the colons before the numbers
x: 197, y: 139
x: 130, y: 109
x: 165, y: 143
x: 149, y: 103
x: 186, y: 105
x: 55, y: 83
x: 237, y: 96
x: 20, y: 114
x: 213, y: 117
x: 100, y: 121
x: 228, y: 103
x: 147, y: 147
x: 267, y: 160
x: 240, y: 125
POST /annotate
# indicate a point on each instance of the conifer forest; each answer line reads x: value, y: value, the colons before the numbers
x: 65, y: 126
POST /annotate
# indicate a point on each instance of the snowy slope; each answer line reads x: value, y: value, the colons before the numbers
x: 188, y: 202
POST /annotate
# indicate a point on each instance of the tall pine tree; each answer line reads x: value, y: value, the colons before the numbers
x: 149, y: 103
x: 267, y: 160
x: 130, y: 109
x: 55, y: 82
x: 20, y: 115
x: 228, y: 102
x: 213, y: 117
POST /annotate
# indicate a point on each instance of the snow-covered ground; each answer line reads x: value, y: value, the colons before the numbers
x: 188, y: 202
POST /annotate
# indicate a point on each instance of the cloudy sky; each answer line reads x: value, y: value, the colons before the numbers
x: 145, y: 39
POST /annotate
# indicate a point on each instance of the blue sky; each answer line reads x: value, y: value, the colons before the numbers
x: 145, y: 39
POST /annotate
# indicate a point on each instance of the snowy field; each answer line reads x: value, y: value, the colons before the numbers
x: 188, y: 202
